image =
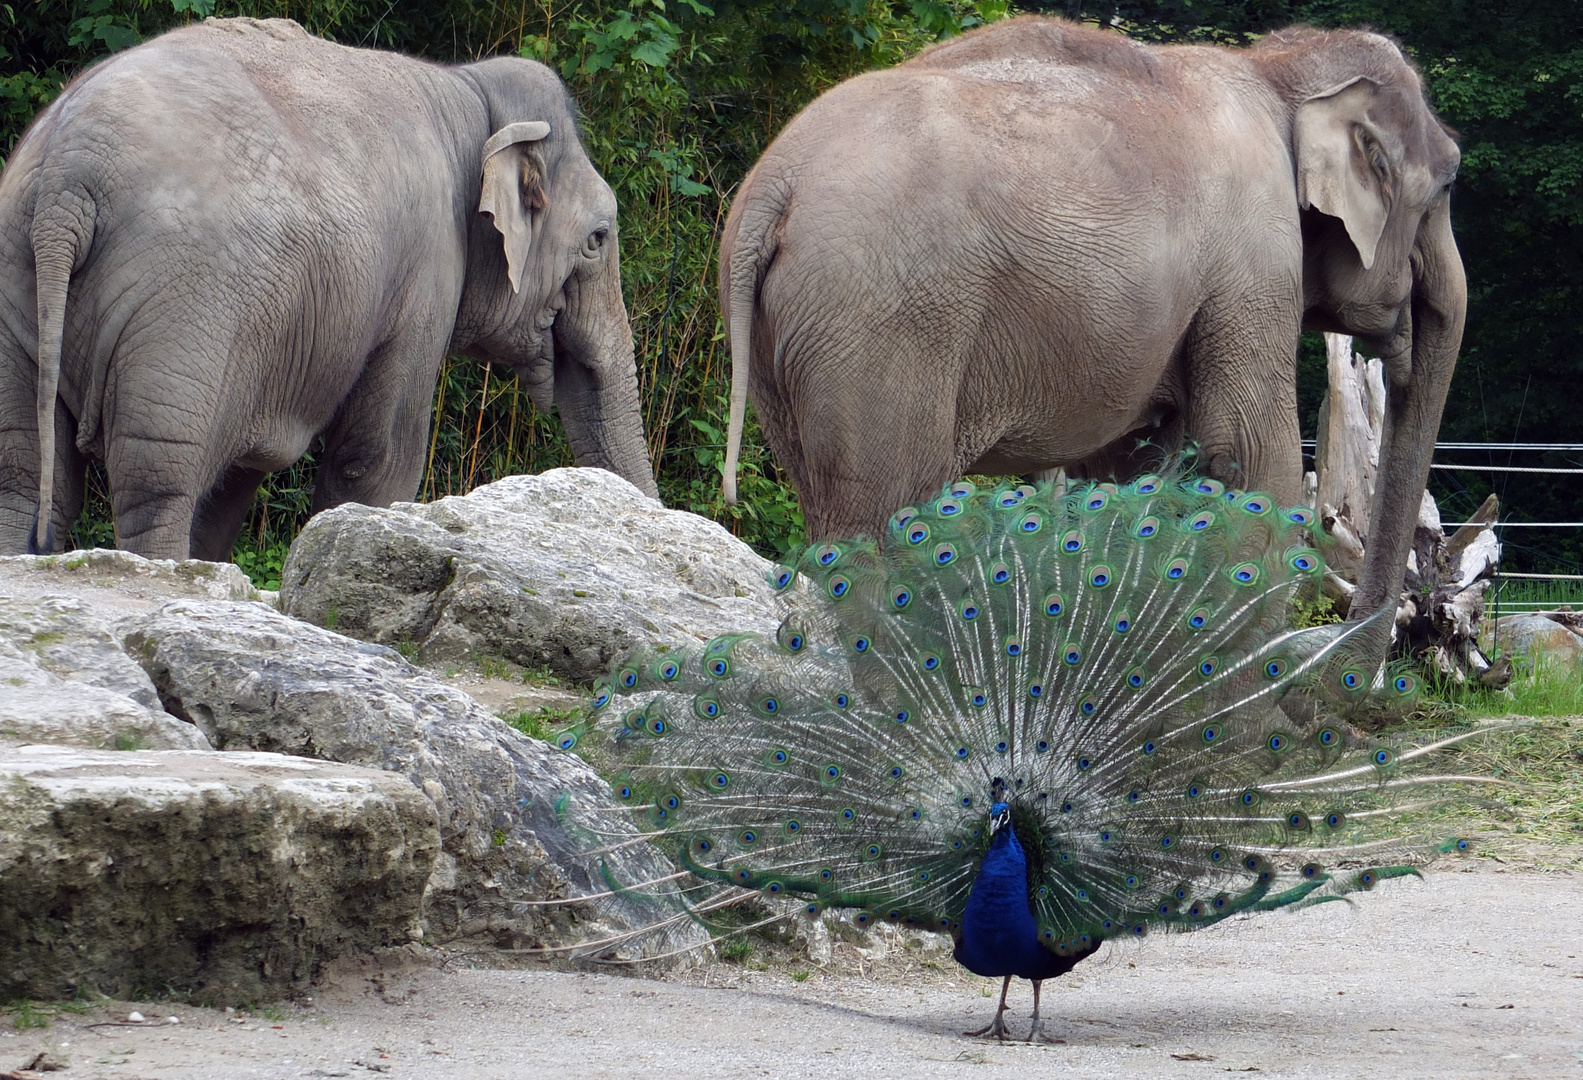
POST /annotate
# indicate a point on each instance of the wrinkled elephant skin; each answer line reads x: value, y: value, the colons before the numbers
x: 1035, y: 244
x: 237, y: 238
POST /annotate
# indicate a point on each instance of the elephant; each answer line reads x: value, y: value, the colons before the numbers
x: 270, y: 238
x: 1040, y: 243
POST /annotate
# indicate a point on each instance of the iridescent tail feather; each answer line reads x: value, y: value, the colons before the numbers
x: 1120, y: 659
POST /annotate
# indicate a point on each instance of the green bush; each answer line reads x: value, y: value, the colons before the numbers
x: 680, y: 96
x: 678, y: 100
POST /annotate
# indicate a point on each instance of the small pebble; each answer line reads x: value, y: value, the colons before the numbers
x: 172, y: 1019
x: 135, y: 1017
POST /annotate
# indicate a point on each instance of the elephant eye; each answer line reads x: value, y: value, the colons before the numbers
x: 1377, y: 158
x: 596, y: 241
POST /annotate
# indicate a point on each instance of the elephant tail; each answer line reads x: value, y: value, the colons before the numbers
x: 55, y: 253
x: 751, y: 253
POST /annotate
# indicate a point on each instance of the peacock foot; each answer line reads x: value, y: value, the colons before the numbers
x: 994, y: 1030
x: 1036, y: 1035
x: 997, y: 1027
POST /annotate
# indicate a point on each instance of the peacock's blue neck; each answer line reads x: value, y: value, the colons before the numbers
x: 999, y: 936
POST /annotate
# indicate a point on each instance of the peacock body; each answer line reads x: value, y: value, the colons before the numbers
x: 1033, y: 721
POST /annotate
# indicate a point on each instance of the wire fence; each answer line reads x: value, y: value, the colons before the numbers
x: 1498, y: 602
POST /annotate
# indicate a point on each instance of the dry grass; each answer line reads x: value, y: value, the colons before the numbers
x: 1537, y: 748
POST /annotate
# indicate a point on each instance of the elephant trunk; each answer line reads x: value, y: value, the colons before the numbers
x: 596, y: 380
x: 1412, y: 414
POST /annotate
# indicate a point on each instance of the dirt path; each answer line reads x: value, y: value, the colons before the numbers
x: 1468, y: 974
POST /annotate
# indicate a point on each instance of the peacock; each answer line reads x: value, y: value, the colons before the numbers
x: 1036, y: 721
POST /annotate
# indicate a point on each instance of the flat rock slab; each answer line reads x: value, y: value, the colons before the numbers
x: 1467, y: 975
x: 251, y: 678
x: 65, y: 679
x: 231, y: 874
x: 119, y: 581
x: 570, y: 569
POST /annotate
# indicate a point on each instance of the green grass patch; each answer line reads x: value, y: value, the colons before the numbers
x: 541, y: 723
x: 262, y: 563
x: 1541, y: 687
x: 736, y: 949
x: 29, y: 1014
x: 1542, y: 812
x: 26, y: 1014
x: 542, y: 675
x: 498, y: 667
x: 1539, y: 817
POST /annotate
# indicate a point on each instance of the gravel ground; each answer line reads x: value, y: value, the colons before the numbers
x: 1467, y: 974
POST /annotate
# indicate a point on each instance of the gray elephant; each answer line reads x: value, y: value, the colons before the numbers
x: 268, y: 238
x: 1029, y: 246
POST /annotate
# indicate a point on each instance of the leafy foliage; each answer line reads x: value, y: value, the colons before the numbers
x: 680, y: 97
x: 1508, y: 75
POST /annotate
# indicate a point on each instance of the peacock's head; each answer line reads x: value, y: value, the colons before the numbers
x: 1000, y: 810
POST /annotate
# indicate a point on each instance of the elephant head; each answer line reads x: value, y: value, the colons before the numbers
x: 1374, y: 169
x: 543, y: 285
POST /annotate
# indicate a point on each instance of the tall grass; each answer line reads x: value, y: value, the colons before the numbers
x: 1514, y: 595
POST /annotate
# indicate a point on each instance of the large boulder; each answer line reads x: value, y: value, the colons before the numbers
x: 65, y: 679
x: 572, y: 568
x: 234, y: 875
x: 1552, y: 639
x: 251, y: 678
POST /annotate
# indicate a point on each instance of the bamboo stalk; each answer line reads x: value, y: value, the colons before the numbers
x: 511, y: 431
x: 478, y: 432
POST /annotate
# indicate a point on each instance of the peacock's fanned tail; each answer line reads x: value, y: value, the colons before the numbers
x: 1120, y: 657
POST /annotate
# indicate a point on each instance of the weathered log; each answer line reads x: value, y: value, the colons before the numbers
x: 1351, y: 422
x: 1446, y: 586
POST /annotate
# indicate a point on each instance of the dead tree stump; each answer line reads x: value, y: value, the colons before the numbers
x: 1447, y: 579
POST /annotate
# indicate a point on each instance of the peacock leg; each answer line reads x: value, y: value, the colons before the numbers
x: 1037, y: 1031
x: 997, y: 1027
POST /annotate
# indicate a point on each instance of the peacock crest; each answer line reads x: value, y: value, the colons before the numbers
x: 1111, y: 671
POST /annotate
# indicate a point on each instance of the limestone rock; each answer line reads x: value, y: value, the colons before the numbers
x: 252, y: 678
x: 65, y: 679
x: 125, y: 577
x: 572, y: 568
x: 231, y: 874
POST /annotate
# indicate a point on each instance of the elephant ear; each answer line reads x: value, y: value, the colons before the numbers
x: 513, y: 190
x: 1342, y: 167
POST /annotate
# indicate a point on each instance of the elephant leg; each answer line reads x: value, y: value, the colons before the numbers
x: 153, y: 515
x: 18, y: 445
x: 161, y: 456
x: 857, y: 476
x: 374, y: 451
x: 1242, y: 397
x: 778, y: 424
x: 222, y: 512
x: 19, y: 466
x: 71, y: 469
